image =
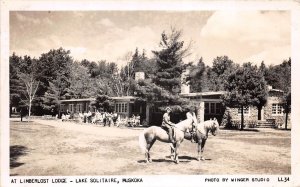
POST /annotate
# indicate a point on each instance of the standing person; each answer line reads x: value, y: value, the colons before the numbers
x: 166, y: 123
x: 189, y: 115
x: 89, y: 116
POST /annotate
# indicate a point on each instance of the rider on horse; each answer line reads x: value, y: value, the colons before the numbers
x: 167, y: 124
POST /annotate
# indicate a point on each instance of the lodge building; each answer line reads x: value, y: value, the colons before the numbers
x: 209, y: 106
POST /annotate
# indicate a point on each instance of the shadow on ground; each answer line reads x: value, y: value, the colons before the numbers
x: 168, y: 159
x: 16, y: 151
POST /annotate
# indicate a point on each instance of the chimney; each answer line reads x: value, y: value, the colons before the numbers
x: 185, y: 86
x: 269, y: 87
x: 139, y: 75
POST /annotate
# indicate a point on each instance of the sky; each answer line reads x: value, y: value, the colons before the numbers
x: 244, y: 36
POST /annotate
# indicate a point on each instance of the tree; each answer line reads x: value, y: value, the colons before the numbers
x: 103, y: 102
x: 170, y: 61
x: 285, y: 82
x: 56, y: 68
x: 287, y: 107
x: 222, y: 67
x: 29, y: 74
x: 197, y: 76
x: 15, y: 84
x: 279, y: 77
x: 244, y: 88
x: 262, y: 92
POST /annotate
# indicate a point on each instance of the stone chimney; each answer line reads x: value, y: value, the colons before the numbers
x: 185, y: 87
x: 139, y: 75
x: 269, y: 87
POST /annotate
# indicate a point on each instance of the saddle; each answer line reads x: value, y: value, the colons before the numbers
x: 166, y: 129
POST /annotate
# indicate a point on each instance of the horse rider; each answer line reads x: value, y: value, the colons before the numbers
x: 166, y: 123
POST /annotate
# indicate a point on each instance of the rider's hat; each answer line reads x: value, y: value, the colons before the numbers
x: 168, y: 108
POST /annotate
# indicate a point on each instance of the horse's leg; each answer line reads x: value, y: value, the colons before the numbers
x: 149, y: 145
x: 199, y: 149
x: 201, y: 145
x: 172, y: 152
x: 202, y: 149
x: 176, y: 152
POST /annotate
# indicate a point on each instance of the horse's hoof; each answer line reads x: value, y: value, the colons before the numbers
x: 198, y: 159
x: 172, y: 157
x: 176, y: 161
x: 202, y: 159
x: 150, y: 160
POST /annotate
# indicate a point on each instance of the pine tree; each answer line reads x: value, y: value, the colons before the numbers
x: 170, y: 61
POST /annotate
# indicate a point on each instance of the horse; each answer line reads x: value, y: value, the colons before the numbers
x: 153, y: 133
x: 202, y: 129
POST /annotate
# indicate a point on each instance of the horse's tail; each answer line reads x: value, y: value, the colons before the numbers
x: 142, y: 142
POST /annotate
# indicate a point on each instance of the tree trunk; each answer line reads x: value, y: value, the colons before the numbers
x: 10, y: 110
x: 29, y: 111
x: 242, y: 118
x: 286, y: 119
x: 259, y: 112
x: 21, y: 114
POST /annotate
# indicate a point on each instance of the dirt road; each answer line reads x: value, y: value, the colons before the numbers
x: 63, y: 148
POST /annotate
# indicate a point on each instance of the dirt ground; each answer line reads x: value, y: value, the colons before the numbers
x: 48, y: 147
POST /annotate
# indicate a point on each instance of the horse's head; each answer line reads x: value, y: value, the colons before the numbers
x: 214, y: 127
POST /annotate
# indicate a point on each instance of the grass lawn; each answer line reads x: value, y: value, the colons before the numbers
x: 63, y: 148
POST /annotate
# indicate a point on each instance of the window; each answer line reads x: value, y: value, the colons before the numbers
x: 212, y: 108
x: 121, y: 107
x: 62, y: 107
x: 86, y: 107
x: 71, y: 107
x: 79, y: 108
x: 206, y: 108
x: 218, y: 108
x: 246, y: 111
x: 277, y: 109
x: 116, y: 108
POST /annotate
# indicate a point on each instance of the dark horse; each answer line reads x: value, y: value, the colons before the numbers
x: 201, y: 134
x: 153, y: 133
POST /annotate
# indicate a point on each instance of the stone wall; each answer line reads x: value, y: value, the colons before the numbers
x: 253, y: 114
x: 266, y: 113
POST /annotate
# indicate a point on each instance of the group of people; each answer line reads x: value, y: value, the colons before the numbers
x: 105, y: 118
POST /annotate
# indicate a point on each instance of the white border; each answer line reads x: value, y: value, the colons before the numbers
x: 293, y: 6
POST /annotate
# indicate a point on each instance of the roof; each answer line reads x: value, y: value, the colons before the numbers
x: 126, y: 98
x: 275, y: 90
x: 203, y: 94
x: 72, y: 100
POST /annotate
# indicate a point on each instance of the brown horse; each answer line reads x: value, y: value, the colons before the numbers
x: 153, y: 133
x: 201, y: 135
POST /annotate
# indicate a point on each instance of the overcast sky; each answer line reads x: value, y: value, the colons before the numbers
x: 244, y: 36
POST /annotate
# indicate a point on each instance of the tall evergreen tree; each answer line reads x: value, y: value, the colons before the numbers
x: 197, y: 76
x: 170, y: 61
x: 15, y: 84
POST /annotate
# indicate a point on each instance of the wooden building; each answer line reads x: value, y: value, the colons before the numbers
x: 125, y: 106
